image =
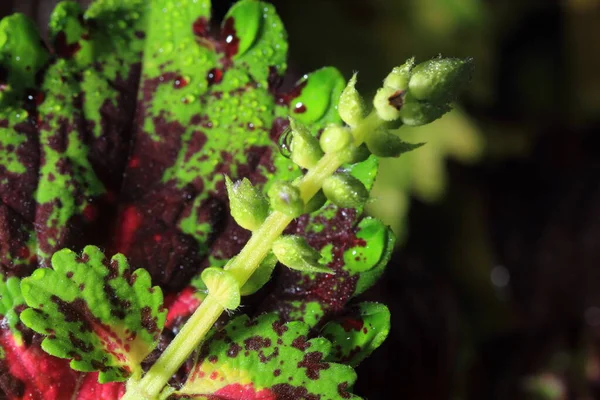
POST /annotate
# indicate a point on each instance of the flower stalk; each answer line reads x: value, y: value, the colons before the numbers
x: 340, y: 146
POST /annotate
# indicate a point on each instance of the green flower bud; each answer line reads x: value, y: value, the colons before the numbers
x: 305, y: 150
x: 388, y: 102
x: 345, y: 191
x: 222, y: 286
x: 315, y: 203
x: 415, y: 112
x: 249, y: 207
x: 261, y: 276
x: 383, y: 143
x: 335, y: 138
x: 293, y: 252
x: 440, y: 80
x: 353, y: 154
x: 286, y: 199
x: 399, y: 77
x: 351, y: 106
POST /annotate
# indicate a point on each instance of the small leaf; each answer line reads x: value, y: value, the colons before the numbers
x: 266, y: 359
x: 320, y: 93
x: 94, y: 311
x: 223, y: 286
x: 358, y: 333
x: 293, y: 252
x: 261, y: 276
x: 415, y: 112
x: 362, y: 258
x: 242, y: 24
x: 317, y: 201
x: 368, y: 278
x: 383, y: 143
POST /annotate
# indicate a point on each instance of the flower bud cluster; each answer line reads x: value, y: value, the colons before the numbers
x: 411, y: 94
x: 420, y: 94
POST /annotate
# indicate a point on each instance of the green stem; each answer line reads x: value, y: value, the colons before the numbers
x: 242, y: 267
x: 177, y: 352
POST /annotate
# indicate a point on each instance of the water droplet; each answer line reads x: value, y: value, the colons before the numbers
x: 299, y: 108
x: 214, y: 76
x: 285, y: 142
x: 180, y: 82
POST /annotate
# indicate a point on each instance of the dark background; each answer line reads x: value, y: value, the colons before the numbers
x: 495, y: 288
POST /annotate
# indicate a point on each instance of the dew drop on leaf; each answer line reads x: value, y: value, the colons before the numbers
x: 214, y: 76
x: 285, y: 141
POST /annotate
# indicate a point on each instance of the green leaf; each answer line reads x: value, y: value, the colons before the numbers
x: 95, y: 311
x: 265, y: 358
x: 11, y: 301
x: 319, y: 97
x: 130, y: 128
x: 21, y: 55
x: 358, y: 333
x: 247, y: 21
x: 383, y: 143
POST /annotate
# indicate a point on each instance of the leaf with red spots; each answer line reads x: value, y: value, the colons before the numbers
x: 357, y: 333
x: 25, y: 370
x: 96, y: 312
x: 266, y: 359
x: 119, y: 136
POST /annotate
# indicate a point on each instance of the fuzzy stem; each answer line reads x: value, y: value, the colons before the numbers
x: 242, y: 267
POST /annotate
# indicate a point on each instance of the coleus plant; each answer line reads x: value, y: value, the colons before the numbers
x: 149, y: 132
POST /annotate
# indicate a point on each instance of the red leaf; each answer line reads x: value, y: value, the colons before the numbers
x: 39, y: 376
